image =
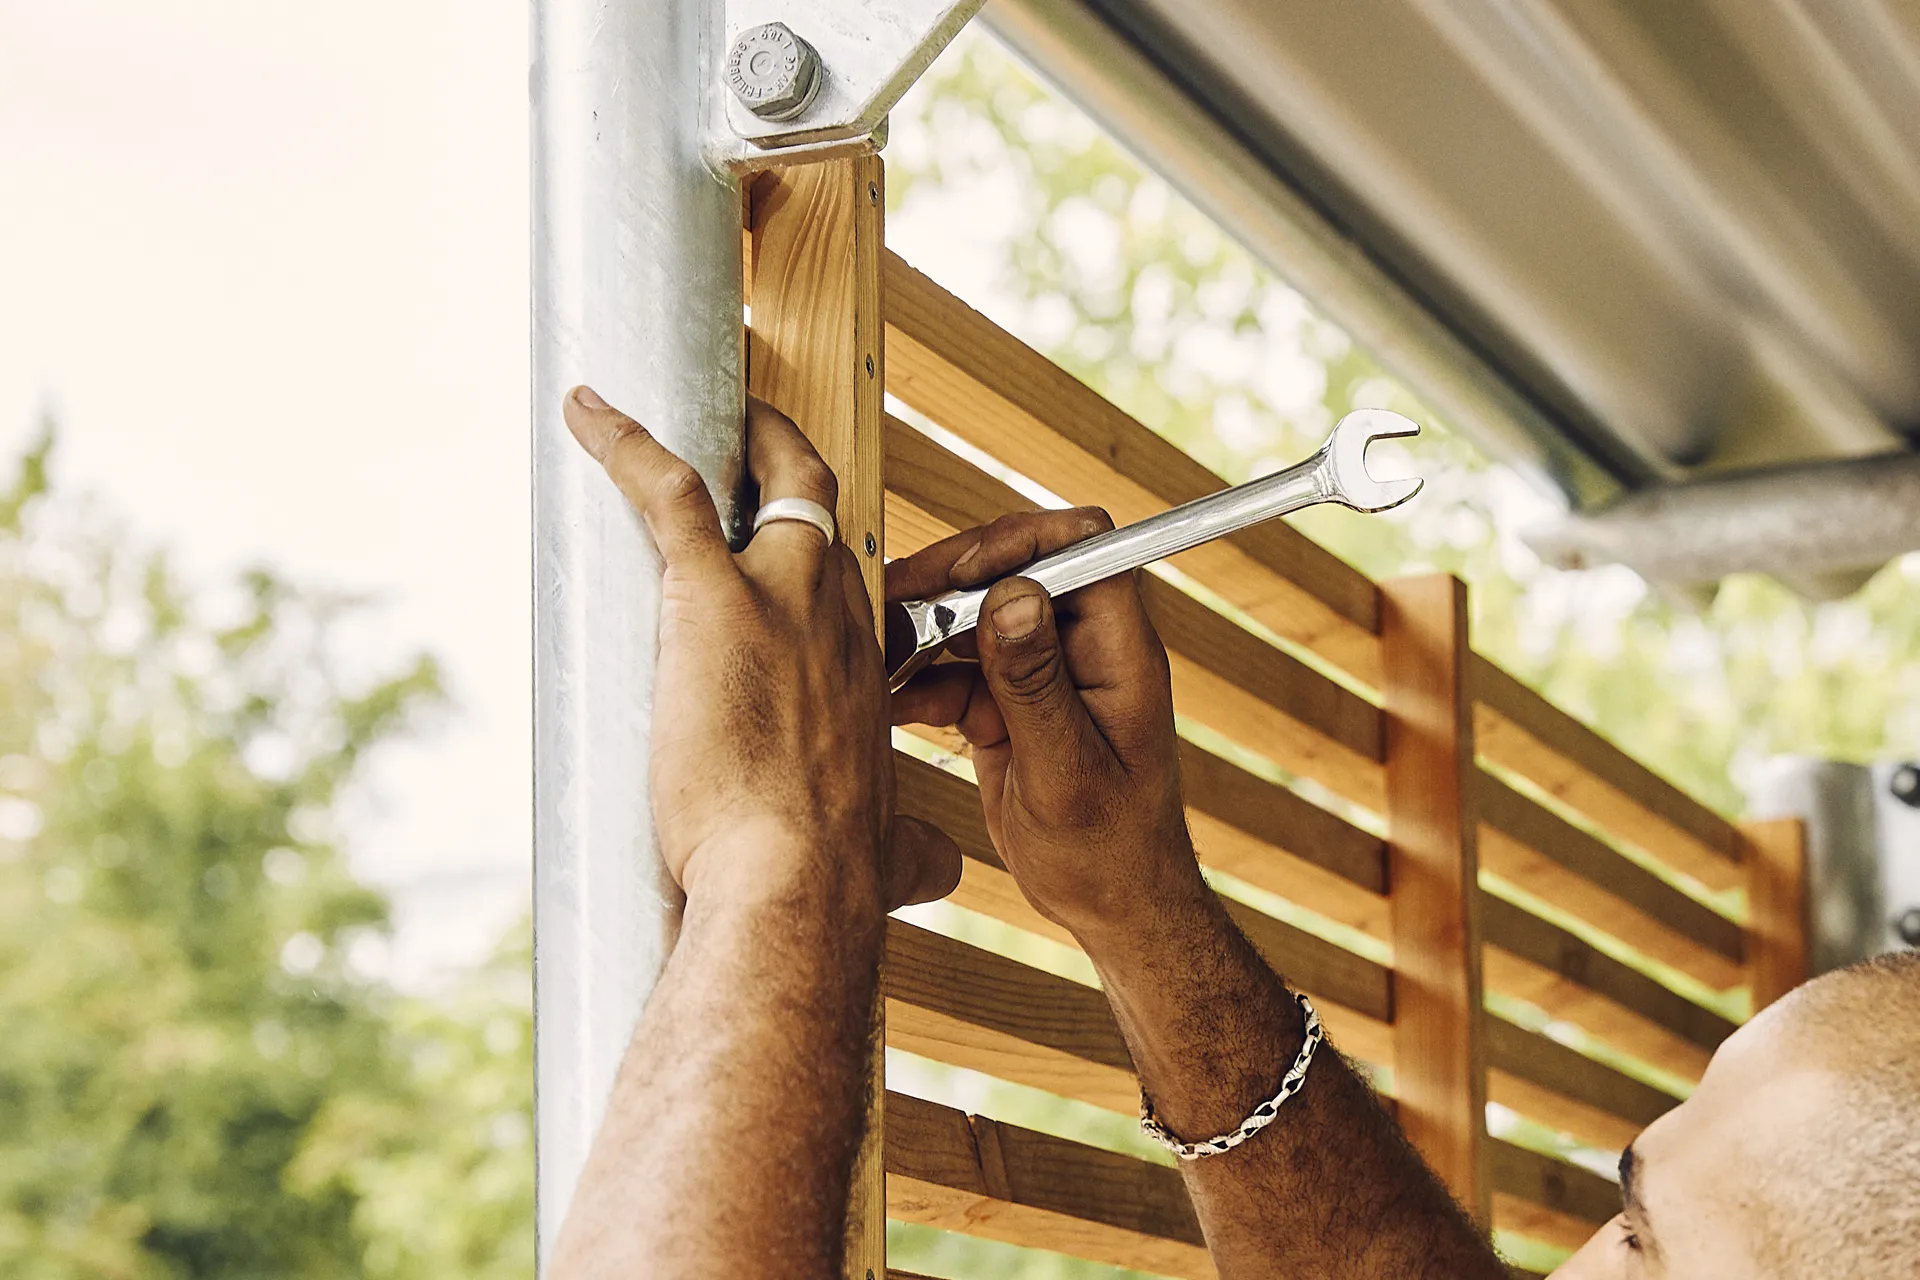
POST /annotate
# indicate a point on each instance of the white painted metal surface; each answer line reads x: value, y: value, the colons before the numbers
x: 871, y: 52
x: 636, y: 290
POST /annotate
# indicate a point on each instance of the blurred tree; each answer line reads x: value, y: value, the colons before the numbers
x: 192, y: 1022
x: 1102, y: 267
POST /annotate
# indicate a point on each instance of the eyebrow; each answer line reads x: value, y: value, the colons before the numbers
x: 1628, y: 1164
x: 1630, y: 1195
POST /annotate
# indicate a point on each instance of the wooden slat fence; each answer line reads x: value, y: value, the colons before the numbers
x: 1456, y: 799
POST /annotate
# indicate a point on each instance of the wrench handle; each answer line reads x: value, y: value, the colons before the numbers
x: 1177, y: 529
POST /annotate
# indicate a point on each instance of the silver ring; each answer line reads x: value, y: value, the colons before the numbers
x: 799, y: 510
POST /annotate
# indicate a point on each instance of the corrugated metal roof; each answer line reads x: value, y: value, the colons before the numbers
x: 1677, y: 238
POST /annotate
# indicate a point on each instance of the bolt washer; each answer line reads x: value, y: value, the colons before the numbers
x: 773, y: 72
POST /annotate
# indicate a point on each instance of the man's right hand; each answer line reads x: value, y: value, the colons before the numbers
x: 1069, y: 709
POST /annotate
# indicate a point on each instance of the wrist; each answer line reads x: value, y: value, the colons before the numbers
x: 1131, y: 920
x: 766, y: 860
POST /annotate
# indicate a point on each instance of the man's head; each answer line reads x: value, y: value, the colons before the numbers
x: 1798, y: 1155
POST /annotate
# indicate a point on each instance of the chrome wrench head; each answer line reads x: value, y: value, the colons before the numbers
x: 1344, y: 460
x: 917, y: 631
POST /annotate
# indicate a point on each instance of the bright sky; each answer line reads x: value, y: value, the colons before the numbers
x: 268, y: 262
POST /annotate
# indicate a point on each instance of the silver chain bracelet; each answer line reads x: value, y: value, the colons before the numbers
x: 1262, y: 1115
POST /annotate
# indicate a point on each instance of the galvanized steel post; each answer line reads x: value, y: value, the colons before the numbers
x: 636, y: 290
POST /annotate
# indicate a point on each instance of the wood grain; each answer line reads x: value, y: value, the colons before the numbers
x: 1548, y: 1199
x: 816, y: 353
x: 1537, y: 850
x: 960, y: 1004
x: 1565, y: 1090
x: 1439, y: 1067
x: 1276, y: 818
x: 1317, y: 966
x: 964, y: 1005
x: 984, y: 1178
x: 994, y: 992
x: 984, y: 385
x: 1776, y: 906
x: 1522, y: 732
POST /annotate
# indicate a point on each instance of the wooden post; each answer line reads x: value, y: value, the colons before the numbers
x: 1776, y: 942
x: 1439, y: 1068
x: 816, y: 355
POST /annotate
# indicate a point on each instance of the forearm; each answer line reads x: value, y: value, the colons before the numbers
x: 732, y: 1130
x: 1330, y: 1188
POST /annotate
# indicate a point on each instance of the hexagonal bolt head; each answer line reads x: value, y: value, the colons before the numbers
x: 773, y: 71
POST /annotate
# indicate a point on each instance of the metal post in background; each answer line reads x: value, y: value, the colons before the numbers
x: 636, y: 290
x: 1862, y: 853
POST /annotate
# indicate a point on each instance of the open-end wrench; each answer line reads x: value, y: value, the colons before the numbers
x: 917, y: 630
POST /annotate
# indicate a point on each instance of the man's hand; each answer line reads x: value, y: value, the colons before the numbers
x: 768, y: 716
x: 1069, y: 710
x: 730, y: 1137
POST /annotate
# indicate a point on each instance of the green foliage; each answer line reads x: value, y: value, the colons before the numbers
x: 1106, y: 271
x: 443, y: 1171
x: 191, y: 1038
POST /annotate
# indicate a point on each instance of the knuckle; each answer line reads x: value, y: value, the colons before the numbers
x: 625, y: 445
x: 1029, y: 676
x: 1004, y: 528
x: 681, y: 486
x: 819, y: 479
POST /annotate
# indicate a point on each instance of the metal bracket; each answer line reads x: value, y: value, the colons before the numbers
x: 869, y: 53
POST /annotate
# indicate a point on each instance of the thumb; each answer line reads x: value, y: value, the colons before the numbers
x: 1026, y: 671
x: 922, y: 863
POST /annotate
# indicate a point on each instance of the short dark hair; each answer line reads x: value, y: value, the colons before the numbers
x: 1850, y: 1209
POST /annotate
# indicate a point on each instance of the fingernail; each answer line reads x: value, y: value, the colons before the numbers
x: 1016, y: 619
x: 590, y: 398
x: 964, y: 560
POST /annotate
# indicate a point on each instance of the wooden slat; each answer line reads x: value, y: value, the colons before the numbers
x: 974, y: 379
x: 1298, y: 718
x: 991, y: 991
x: 988, y: 1013
x: 1541, y: 964
x: 1549, y: 1082
x: 1361, y: 1036
x: 1527, y: 958
x: 1536, y: 849
x: 957, y: 1042
x: 1776, y: 906
x: 1545, y: 965
x: 1548, y: 1199
x: 1321, y: 876
x: 1439, y: 1067
x: 816, y: 353
x: 1266, y: 835
x: 964, y: 1005
x: 974, y: 1175
x: 1279, y: 819
x: 959, y: 1004
x: 816, y: 350
x: 990, y: 1179
x: 1522, y: 732
x: 1316, y: 965
x: 1228, y: 678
